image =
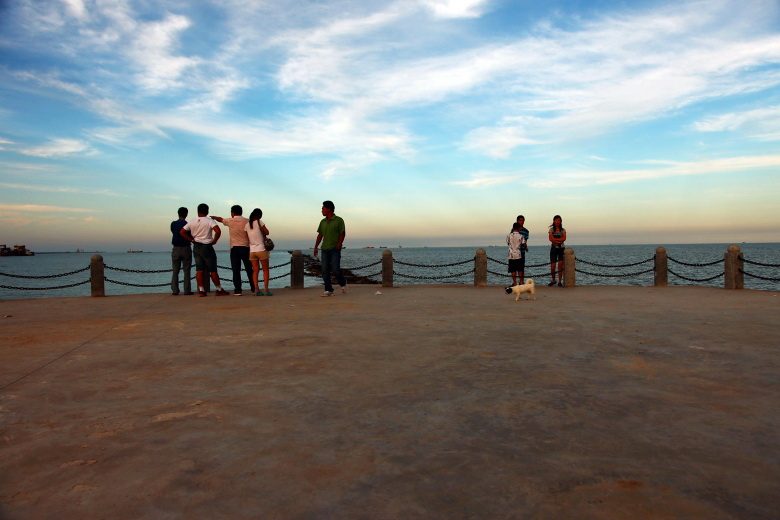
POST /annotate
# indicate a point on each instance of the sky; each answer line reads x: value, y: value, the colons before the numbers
x: 426, y: 122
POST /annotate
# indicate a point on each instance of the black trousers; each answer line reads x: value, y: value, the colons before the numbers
x: 239, y: 254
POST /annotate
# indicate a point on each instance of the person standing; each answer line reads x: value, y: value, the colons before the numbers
x: 331, y: 233
x: 557, y: 235
x: 181, y: 256
x: 239, y: 247
x: 258, y: 255
x: 515, y: 240
x: 199, y: 232
x: 524, y: 248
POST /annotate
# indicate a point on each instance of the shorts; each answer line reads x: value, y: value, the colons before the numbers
x: 205, y: 257
x: 516, y: 265
x: 556, y: 254
x: 259, y: 255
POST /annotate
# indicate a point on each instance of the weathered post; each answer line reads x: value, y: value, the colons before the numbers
x: 97, y: 275
x: 296, y: 269
x: 732, y: 269
x: 387, y: 268
x: 661, y: 267
x: 569, y: 274
x: 480, y: 268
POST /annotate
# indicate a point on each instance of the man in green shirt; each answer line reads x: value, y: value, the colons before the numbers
x: 331, y: 233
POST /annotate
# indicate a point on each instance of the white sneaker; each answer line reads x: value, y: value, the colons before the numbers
x: 326, y: 294
x: 344, y: 289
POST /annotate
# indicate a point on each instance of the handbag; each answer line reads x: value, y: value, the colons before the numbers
x: 269, y: 244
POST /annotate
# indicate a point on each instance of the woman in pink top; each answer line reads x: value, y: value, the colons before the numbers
x: 256, y: 231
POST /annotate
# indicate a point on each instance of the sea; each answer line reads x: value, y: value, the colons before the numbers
x: 40, y: 276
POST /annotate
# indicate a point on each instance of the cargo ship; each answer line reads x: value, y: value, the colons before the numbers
x: 16, y: 251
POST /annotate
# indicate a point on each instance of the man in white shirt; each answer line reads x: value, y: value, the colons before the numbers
x: 199, y: 232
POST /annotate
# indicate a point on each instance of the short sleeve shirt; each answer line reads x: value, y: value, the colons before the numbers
x: 515, y: 241
x: 255, y: 235
x: 237, y: 234
x: 331, y: 229
x: 202, y: 229
x: 176, y: 239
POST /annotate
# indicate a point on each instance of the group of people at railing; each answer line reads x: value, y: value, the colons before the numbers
x: 250, y: 246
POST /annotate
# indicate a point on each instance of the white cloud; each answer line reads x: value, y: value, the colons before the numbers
x: 10, y: 209
x: 76, y: 8
x: 456, y: 8
x: 762, y: 124
x: 487, y: 179
x: 734, y: 165
x: 499, y: 141
x: 617, y: 71
x: 152, y: 50
x: 58, y: 148
x: 350, y: 79
x: 57, y: 189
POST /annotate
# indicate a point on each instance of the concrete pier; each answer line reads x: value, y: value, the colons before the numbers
x: 386, y: 403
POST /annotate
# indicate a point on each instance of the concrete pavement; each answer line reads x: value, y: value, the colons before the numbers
x: 419, y: 402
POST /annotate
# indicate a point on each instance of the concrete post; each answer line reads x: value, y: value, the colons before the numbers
x: 480, y: 268
x: 387, y: 268
x: 296, y: 270
x: 661, y: 275
x: 732, y: 269
x: 97, y: 275
x: 569, y: 274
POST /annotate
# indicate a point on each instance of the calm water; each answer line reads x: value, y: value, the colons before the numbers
x: 58, y: 263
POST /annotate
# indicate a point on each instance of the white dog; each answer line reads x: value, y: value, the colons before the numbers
x: 518, y: 290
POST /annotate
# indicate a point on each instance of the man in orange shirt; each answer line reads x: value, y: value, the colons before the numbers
x: 239, y: 247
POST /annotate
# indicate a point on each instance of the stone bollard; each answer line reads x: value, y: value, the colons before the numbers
x: 387, y: 268
x: 97, y: 275
x: 661, y: 267
x: 480, y: 268
x: 569, y: 274
x: 296, y: 269
x: 732, y: 269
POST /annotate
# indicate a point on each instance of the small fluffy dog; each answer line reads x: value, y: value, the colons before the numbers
x: 518, y: 290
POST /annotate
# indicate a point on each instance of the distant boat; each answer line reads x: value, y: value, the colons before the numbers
x: 16, y: 251
x: 134, y: 251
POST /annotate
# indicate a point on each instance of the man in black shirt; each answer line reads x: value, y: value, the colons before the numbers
x: 181, y: 256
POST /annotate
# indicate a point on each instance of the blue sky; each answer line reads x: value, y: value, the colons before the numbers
x: 427, y: 122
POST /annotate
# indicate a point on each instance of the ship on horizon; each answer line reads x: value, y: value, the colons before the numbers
x: 16, y: 251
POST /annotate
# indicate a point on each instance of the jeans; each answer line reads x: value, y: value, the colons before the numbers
x: 181, y: 258
x: 239, y: 254
x: 331, y: 260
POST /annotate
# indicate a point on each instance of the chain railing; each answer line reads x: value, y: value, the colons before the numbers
x: 437, y: 277
x: 759, y: 264
x: 525, y: 273
x: 168, y: 283
x: 695, y: 264
x: 614, y: 266
x: 733, y: 271
x: 44, y: 277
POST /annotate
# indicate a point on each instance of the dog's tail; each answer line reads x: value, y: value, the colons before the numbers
x: 530, y: 281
